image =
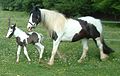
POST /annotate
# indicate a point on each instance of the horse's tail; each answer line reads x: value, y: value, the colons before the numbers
x: 106, y: 49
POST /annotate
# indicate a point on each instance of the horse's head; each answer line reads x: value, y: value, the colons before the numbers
x: 35, y: 18
x: 11, y: 31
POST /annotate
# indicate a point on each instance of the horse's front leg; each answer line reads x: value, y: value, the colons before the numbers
x: 54, y: 50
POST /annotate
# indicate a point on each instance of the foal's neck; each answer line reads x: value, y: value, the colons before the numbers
x: 18, y: 32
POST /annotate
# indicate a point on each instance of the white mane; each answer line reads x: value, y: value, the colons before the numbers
x: 53, y: 20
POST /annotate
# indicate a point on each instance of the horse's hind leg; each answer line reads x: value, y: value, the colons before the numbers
x: 85, y: 50
x: 103, y: 56
x: 40, y: 49
x: 26, y: 53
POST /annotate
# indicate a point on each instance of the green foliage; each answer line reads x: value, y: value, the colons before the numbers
x: 71, y: 8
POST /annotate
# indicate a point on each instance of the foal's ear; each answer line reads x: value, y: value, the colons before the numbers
x: 14, y: 25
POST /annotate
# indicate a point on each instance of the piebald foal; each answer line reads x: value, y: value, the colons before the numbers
x: 23, y: 39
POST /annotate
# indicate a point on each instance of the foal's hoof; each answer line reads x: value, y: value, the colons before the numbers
x: 41, y: 61
x: 29, y: 62
x: 17, y: 62
x: 80, y: 61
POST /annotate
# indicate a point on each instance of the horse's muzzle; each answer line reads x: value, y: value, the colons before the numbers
x: 29, y: 29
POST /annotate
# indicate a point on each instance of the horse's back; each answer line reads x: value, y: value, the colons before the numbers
x: 94, y: 21
x: 71, y: 28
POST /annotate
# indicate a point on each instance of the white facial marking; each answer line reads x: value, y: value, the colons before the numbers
x: 30, y: 22
x: 9, y: 32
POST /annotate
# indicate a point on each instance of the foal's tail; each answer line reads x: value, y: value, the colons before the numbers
x: 106, y: 49
x: 42, y: 37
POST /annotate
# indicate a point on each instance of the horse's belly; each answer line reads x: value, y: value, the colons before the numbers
x: 67, y: 37
x: 71, y: 28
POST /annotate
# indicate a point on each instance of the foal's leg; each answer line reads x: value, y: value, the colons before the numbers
x: 26, y: 53
x: 54, y: 50
x: 85, y: 50
x: 40, y: 49
x: 103, y: 56
x: 18, y: 53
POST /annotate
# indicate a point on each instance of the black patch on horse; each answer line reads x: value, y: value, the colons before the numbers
x: 36, y: 17
x: 54, y: 35
x: 88, y: 31
x: 18, y: 40
x: 33, y: 38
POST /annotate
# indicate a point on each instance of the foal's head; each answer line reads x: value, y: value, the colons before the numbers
x: 35, y: 18
x: 11, y: 31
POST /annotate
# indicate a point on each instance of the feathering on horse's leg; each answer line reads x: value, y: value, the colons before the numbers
x: 103, y: 56
x: 54, y: 50
x: 85, y: 50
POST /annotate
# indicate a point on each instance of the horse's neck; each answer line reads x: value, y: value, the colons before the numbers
x: 52, y: 19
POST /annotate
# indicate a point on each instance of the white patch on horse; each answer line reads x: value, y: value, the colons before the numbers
x: 95, y: 22
x: 71, y: 28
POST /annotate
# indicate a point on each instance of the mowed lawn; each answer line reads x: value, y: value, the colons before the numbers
x: 92, y: 66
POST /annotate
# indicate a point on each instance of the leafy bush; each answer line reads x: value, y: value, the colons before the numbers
x: 70, y: 8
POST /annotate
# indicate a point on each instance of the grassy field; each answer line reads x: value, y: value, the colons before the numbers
x: 92, y: 66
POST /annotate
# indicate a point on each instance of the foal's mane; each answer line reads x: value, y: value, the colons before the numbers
x: 53, y: 20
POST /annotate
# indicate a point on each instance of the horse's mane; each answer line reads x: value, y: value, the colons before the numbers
x: 53, y: 20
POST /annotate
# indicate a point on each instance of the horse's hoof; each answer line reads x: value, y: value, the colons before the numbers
x: 104, y: 58
x: 50, y: 63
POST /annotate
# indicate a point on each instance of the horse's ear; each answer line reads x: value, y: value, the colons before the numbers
x: 33, y: 5
x: 36, y: 7
x: 8, y: 22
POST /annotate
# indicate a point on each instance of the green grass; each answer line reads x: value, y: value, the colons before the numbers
x: 92, y: 66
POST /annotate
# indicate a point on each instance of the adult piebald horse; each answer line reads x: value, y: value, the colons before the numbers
x: 61, y: 28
